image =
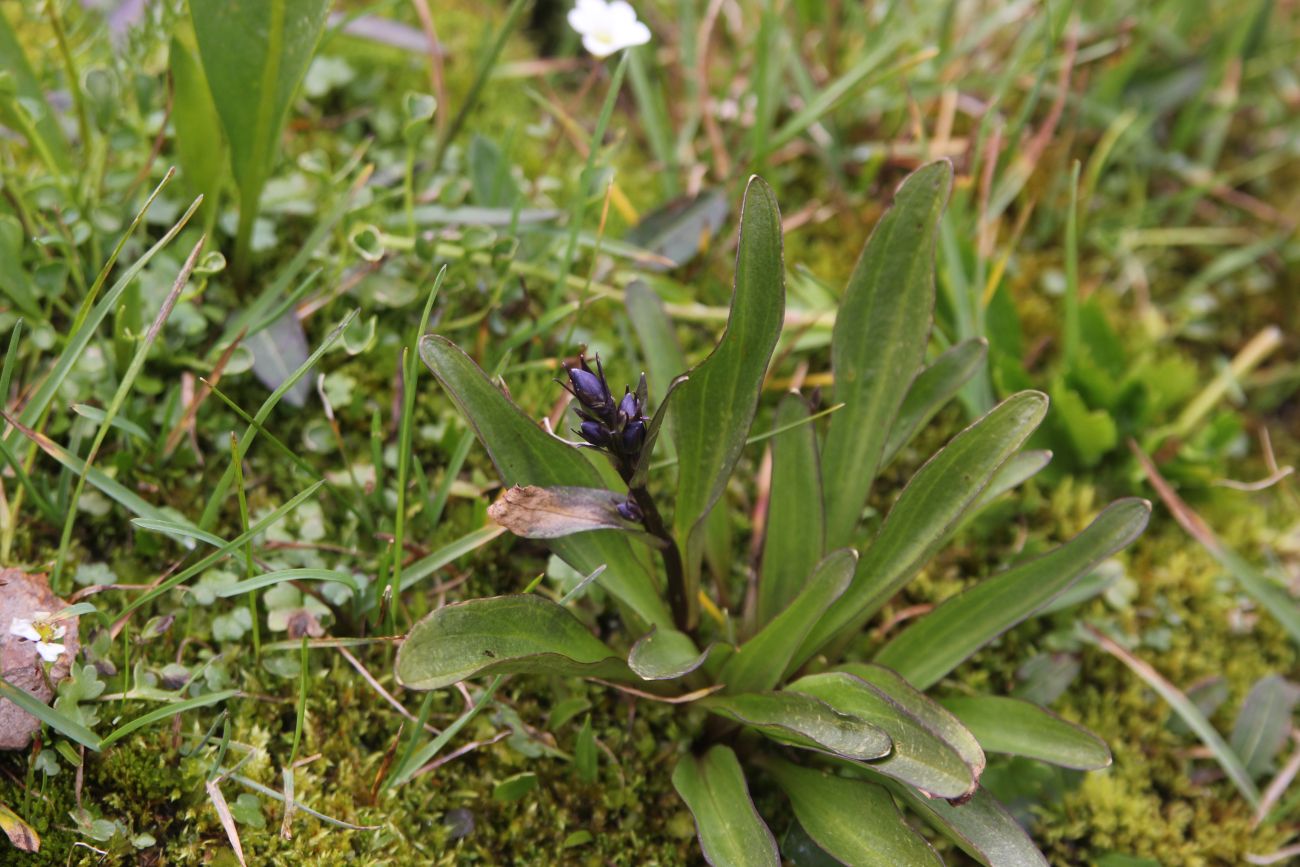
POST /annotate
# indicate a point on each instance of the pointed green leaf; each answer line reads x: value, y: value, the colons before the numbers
x: 200, y: 145
x: 665, y: 654
x: 1020, y: 468
x: 795, y: 534
x: 940, y: 641
x: 521, y: 634
x: 713, y: 410
x: 1021, y: 728
x: 1264, y: 723
x: 981, y: 827
x: 932, y: 389
x: 932, y: 503
x: 878, y: 344
x: 803, y: 721
x: 255, y: 55
x: 758, y: 663
x: 730, y: 830
x: 524, y: 454
x: 855, y: 821
x: 924, y: 710
x: 919, y: 758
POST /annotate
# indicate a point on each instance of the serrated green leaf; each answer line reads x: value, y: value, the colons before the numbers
x: 879, y: 340
x: 932, y: 389
x: 803, y: 721
x: 855, y: 821
x: 713, y: 410
x: 795, y: 535
x: 758, y: 663
x: 730, y: 830
x: 933, y: 502
x: 981, y: 827
x: 919, y: 757
x: 1021, y: 728
x: 940, y: 641
x: 924, y: 710
x: 665, y: 654
x: 524, y: 454
x: 520, y: 634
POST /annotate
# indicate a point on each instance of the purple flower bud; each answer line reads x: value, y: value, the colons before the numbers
x: 588, y: 388
x: 630, y: 511
x: 595, y: 433
x: 633, y: 437
x: 629, y: 408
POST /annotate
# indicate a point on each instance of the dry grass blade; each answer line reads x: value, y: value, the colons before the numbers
x: 1278, y: 785
x: 227, y: 820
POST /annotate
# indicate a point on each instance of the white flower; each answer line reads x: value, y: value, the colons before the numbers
x: 43, y: 631
x: 607, y: 28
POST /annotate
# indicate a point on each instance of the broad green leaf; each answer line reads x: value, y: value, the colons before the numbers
x: 932, y: 503
x: 713, y: 410
x: 730, y: 830
x: 795, y: 531
x: 200, y: 144
x: 932, y: 389
x: 1021, y: 467
x: 665, y: 654
x: 33, y: 117
x: 878, y: 344
x: 683, y: 227
x: 521, y: 634
x: 855, y: 821
x: 933, y: 646
x: 758, y: 663
x: 524, y: 454
x: 1264, y: 723
x: 1021, y: 728
x: 919, y: 758
x: 803, y: 721
x: 981, y: 827
x: 924, y: 710
x: 255, y: 55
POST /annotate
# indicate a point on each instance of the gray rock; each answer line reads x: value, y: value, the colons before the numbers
x: 21, y: 597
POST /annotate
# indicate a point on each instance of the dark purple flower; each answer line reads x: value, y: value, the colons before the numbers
x: 595, y: 433
x: 630, y: 511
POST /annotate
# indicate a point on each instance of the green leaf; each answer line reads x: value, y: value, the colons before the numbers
x: 654, y: 331
x: 878, y: 344
x: 1021, y: 728
x: 166, y: 712
x: 679, y: 229
x: 60, y: 722
x: 255, y: 55
x: 919, y: 758
x: 524, y: 454
x: 758, y: 663
x: 730, y: 830
x: 932, y: 389
x: 1264, y: 723
x: 932, y: 503
x: 665, y: 654
x: 501, y: 635
x: 933, y: 646
x: 981, y: 827
x: 270, y: 578
x: 584, y: 753
x: 795, y: 535
x: 855, y: 821
x: 515, y: 787
x: 642, y: 470
x: 803, y: 721
x: 1020, y: 468
x: 200, y: 144
x: 925, y: 710
x: 1091, y: 433
x: 713, y: 410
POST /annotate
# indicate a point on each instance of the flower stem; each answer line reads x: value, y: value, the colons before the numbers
x: 654, y: 525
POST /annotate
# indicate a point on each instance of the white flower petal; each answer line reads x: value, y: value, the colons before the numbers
x: 49, y: 651
x: 583, y: 20
x: 60, y: 631
x: 621, y: 13
x: 598, y: 44
x: 639, y: 34
x: 23, y: 628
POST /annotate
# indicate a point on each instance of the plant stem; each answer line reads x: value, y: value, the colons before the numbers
x: 654, y: 525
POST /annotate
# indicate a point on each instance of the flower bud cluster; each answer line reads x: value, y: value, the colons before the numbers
x: 617, y: 426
